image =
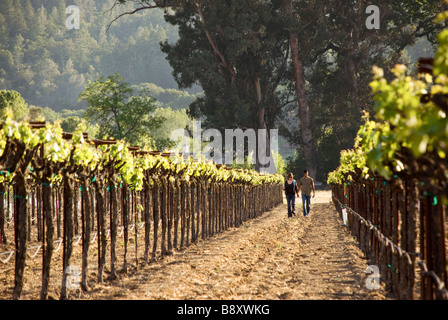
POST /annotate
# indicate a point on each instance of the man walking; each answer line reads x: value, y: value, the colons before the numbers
x: 306, y: 183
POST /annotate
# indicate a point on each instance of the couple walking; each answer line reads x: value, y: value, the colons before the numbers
x: 306, y: 183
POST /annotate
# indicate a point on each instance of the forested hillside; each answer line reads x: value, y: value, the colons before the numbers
x: 50, y: 64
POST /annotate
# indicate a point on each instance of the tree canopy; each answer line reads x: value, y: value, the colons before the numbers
x: 120, y: 113
x: 302, y: 66
x: 12, y: 104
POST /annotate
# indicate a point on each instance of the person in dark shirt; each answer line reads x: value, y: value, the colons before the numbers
x: 291, y: 189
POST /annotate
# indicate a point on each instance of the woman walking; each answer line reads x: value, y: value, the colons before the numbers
x: 291, y: 190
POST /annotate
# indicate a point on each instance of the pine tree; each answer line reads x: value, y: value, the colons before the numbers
x: 18, y: 52
x: 19, y: 25
x: 4, y: 33
x: 30, y: 16
x: 61, y: 15
x: 40, y: 28
x: 9, y: 12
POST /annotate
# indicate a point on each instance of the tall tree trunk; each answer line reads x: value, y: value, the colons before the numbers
x: 353, y: 79
x: 351, y: 57
x: 308, y: 142
x: 264, y: 156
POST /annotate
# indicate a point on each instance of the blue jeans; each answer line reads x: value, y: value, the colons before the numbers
x: 291, y: 199
x: 306, y: 200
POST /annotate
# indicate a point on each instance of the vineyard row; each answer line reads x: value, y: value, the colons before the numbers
x: 63, y: 190
x: 402, y: 230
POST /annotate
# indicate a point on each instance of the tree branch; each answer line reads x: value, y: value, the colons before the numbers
x: 142, y: 7
x: 214, y: 46
x: 330, y: 46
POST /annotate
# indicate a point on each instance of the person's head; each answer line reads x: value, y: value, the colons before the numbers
x: 290, y: 175
x: 305, y: 173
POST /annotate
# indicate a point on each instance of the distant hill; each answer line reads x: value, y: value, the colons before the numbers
x: 50, y: 64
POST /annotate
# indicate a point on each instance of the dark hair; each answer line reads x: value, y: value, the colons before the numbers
x: 305, y: 171
x: 290, y: 175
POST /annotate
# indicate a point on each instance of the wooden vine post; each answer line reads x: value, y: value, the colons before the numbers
x: 156, y: 210
x: 147, y: 214
x: 163, y: 213
x: 68, y: 187
x: 125, y: 224
x: 113, y: 207
x: 171, y: 213
x: 21, y: 160
x: 86, y: 214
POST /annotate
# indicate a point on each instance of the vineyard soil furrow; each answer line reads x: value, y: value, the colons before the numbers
x: 270, y: 257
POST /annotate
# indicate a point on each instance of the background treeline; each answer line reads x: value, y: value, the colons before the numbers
x: 50, y: 64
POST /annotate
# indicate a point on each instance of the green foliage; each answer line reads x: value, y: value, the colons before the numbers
x: 280, y: 164
x: 247, y: 165
x: 296, y: 164
x: 174, y: 119
x: 167, y: 97
x: 69, y: 120
x: 12, y: 104
x: 118, y: 112
x: 130, y: 167
x: 410, y: 124
x: 35, y: 114
x: 70, y: 123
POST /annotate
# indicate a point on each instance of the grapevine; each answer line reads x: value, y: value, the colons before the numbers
x: 108, y: 177
x: 409, y: 134
x: 393, y: 183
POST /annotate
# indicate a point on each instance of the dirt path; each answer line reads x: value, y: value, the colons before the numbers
x: 271, y: 257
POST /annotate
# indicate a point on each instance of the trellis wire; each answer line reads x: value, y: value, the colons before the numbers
x: 397, y: 265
